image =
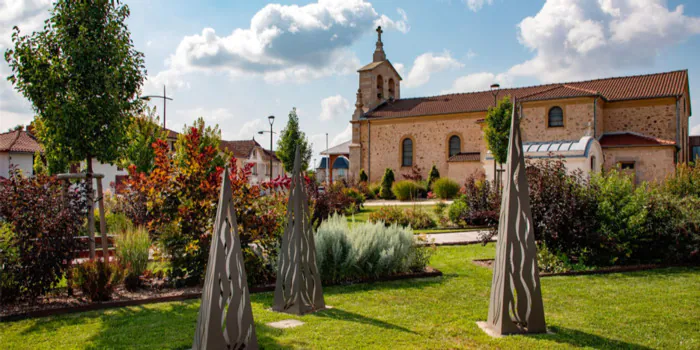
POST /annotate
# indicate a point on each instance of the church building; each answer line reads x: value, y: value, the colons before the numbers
x: 637, y: 123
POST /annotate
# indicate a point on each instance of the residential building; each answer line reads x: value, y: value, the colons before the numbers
x: 694, y: 144
x: 250, y: 151
x: 638, y: 123
x: 17, y: 149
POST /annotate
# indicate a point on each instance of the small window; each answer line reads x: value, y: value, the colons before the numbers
x: 455, y: 145
x: 627, y: 165
x: 592, y: 163
x: 556, y: 117
x: 380, y: 87
x: 392, y: 89
x: 407, y: 152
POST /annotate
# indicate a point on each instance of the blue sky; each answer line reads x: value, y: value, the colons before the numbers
x: 236, y: 62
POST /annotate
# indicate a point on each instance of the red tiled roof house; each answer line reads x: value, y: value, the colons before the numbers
x: 17, y: 149
x: 639, y: 123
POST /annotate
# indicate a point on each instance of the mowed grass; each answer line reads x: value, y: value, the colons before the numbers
x: 640, y: 310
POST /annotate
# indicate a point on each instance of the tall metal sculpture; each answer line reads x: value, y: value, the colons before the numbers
x: 516, y: 298
x: 225, y: 316
x: 298, y: 289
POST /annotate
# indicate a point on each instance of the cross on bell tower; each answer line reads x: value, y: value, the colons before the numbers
x: 379, y: 54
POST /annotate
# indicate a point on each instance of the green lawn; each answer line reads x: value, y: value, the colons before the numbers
x: 649, y: 309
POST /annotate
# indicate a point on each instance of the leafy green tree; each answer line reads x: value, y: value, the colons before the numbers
x: 292, y: 137
x: 387, y: 182
x: 143, y: 131
x: 39, y: 166
x: 82, y: 75
x: 497, y: 130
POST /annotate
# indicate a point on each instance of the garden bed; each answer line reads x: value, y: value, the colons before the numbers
x: 599, y: 271
x: 61, y: 303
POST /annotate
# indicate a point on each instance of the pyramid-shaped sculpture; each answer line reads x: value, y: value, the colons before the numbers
x: 298, y: 289
x: 516, y: 298
x: 225, y: 318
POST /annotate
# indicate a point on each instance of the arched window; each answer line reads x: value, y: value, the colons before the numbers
x: 593, y: 163
x: 556, y: 117
x: 380, y: 87
x: 392, y: 89
x: 407, y: 152
x: 455, y: 145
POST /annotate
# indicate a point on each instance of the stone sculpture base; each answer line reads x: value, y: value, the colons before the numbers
x: 494, y: 333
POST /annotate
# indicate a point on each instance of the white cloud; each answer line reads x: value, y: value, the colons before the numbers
x: 334, y: 107
x: 286, y: 42
x: 247, y: 131
x: 427, y: 64
x: 695, y: 130
x: 211, y: 116
x: 574, y: 39
x: 471, y: 54
x: 28, y: 16
x: 476, y: 5
x: 345, y: 135
x: 478, y: 82
x: 399, y: 25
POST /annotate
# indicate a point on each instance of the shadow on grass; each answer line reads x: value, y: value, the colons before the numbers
x: 413, y: 283
x: 342, y: 315
x: 581, y: 339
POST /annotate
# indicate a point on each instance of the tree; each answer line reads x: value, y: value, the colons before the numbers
x: 292, y: 138
x: 144, y: 129
x: 82, y: 75
x: 497, y: 131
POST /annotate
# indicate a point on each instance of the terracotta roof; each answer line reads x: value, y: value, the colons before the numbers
x: 618, y: 139
x: 465, y: 157
x: 171, y: 134
x: 243, y: 148
x: 19, y: 141
x: 239, y: 148
x: 611, y: 89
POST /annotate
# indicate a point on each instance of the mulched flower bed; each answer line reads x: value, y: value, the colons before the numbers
x: 61, y: 303
x: 603, y: 270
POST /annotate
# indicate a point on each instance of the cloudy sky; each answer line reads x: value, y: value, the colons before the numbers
x: 235, y: 62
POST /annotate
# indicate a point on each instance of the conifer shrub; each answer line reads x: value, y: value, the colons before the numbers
x: 363, y: 176
x: 387, y: 181
x: 433, y: 176
x: 445, y: 188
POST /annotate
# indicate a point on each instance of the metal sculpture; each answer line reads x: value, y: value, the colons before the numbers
x: 225, y: 316
x: 516, y: 298
x: 298, y: 289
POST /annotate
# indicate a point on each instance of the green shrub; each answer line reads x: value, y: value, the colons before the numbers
x: 116, y: 223
x: 685, y: 181
x: 9, y: 259
x: 363, y: 176
x: 389, y: 215
x: 358, y: 200
x: 374, y: 188
x: 445, y: 188
x: 419, y: 219
x: 549, y: 262
x: 439, y: 208
x: 458, y: 211
x: 387, y: 182
x: 367, y: 250
x: 433, y: 176
x: 97, y: 278
x: 132, y: 248
x: 405, y: 190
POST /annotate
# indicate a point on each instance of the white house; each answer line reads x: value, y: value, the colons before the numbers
x: 17, y: 149
x: 250, y: 151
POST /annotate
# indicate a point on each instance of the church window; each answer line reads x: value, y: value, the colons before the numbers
x: 556, y: 117
x: 407, y: 152
x: 380, y: 87
x: 455, y: 145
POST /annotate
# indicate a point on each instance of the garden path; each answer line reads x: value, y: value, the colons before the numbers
x: 383, y: 203
x: 456, y: 238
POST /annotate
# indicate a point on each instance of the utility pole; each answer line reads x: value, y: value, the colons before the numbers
x: 328, y: 163
x: 164, y: 97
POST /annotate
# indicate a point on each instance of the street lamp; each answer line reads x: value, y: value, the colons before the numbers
x: 164, y: 97
x: 271, y: 119
x: 494, y: 90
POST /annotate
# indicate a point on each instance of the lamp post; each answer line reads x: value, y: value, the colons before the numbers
x: 328, y: 164
x: 164, y: 97
x: 271, y: 119
x: 494, y: 91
